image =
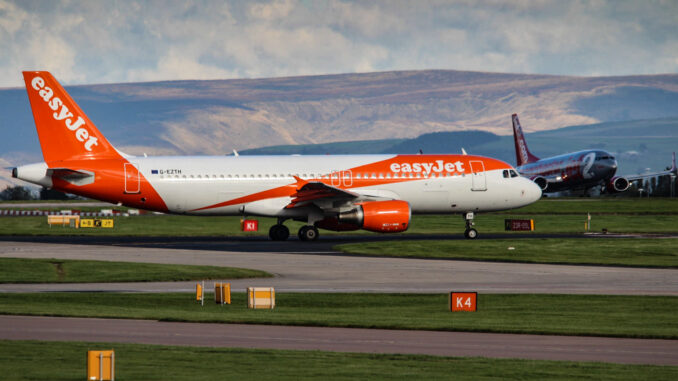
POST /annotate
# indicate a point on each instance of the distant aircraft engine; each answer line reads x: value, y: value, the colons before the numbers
x: 541, y: 182
x: 617, y: 184
x: 379, y: 216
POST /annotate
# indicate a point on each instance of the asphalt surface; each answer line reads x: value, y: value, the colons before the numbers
x: 541, y: 347
x: 300, y: 267
x: 316, y: 270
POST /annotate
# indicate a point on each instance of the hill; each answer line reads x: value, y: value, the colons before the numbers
x: 215, y: 117
x: 640, y: 145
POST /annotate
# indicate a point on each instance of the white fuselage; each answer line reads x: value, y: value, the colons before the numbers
x: 191, y: 183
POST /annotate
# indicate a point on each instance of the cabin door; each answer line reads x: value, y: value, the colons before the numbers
x: 132, y: 181
x: 479, y: 182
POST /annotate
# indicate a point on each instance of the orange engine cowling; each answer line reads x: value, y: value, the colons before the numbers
x: 379, y: 216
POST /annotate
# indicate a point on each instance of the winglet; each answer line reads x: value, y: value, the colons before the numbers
x: 300, y: 182
x: 523, y: 155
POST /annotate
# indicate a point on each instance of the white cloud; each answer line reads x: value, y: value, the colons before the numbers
x: 274, y: 10
x: 85, y: 41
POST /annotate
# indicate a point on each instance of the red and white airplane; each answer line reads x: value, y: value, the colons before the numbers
x: 344, y: 192
x: 582, y: 170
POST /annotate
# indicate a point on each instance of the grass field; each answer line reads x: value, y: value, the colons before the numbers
x: 66, y: 361
x: 566, y: 216
x: 596, y: 251
x: 19, y: 270
x: 593, y: 315
x: 603, y: 205
x: 184, y: 226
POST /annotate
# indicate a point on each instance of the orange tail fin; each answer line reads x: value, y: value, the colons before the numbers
x: 65, y: 132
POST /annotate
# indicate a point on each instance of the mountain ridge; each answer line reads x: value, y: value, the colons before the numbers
x: 215, y: 117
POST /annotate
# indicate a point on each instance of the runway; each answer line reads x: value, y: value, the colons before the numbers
x: 541, y: 347
x: 328, y: 271
x: 299, y: 267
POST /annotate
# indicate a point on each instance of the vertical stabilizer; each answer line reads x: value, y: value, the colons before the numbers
x: 523, y: 155
x: 65, y: 132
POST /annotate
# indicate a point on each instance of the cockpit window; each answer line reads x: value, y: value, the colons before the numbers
x: 509, y: 173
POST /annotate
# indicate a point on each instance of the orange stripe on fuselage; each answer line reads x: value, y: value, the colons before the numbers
x: 109, y: 184
x: 425, y: 166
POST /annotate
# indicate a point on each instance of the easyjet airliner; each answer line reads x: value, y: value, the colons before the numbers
x: 344, y: 192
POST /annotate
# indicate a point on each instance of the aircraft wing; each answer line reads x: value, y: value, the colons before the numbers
x: 327, y: 196
x: 670, y: 171
x: 310, y: 192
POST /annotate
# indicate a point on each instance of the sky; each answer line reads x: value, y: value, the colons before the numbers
x: 95, y: 41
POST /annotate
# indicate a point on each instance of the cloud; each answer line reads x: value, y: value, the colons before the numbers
x: 84, y: 41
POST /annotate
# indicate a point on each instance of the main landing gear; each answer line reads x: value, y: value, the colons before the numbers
x: 308, y: 233
x: 280, y: 232
x: 470, y: 232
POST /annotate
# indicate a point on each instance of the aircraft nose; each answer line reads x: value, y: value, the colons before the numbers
x: 532, y: 191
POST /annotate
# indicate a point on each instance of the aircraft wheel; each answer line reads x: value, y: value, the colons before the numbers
x: 308, y: 233
x: 279, y: 232
x: 471, y: 233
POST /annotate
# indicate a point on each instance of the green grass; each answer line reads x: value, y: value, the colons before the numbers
x: 605, y: 205
x: 193, y: 226
x: 556, y: 216
x: 66, y: 361
x: 594, y: 315
x: 19, y: 270
x: 548, y: 223
x: 637, y: 252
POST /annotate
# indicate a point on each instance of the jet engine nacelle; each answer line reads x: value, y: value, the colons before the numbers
x: 379, y: 216
x: 541, y: 182
x: 617, y: 184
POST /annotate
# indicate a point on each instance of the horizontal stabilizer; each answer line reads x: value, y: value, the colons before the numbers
x: 73, y: 176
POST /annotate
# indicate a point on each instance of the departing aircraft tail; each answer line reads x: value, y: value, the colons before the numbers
x: 523, y: 155
x: 65, y: 132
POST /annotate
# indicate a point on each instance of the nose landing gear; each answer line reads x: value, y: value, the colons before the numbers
x: 470, y: 232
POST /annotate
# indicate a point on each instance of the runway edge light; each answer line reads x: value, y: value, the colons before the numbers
x: 463, y: 301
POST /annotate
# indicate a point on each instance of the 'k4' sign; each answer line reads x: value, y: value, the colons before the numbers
x: 463, y: 301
